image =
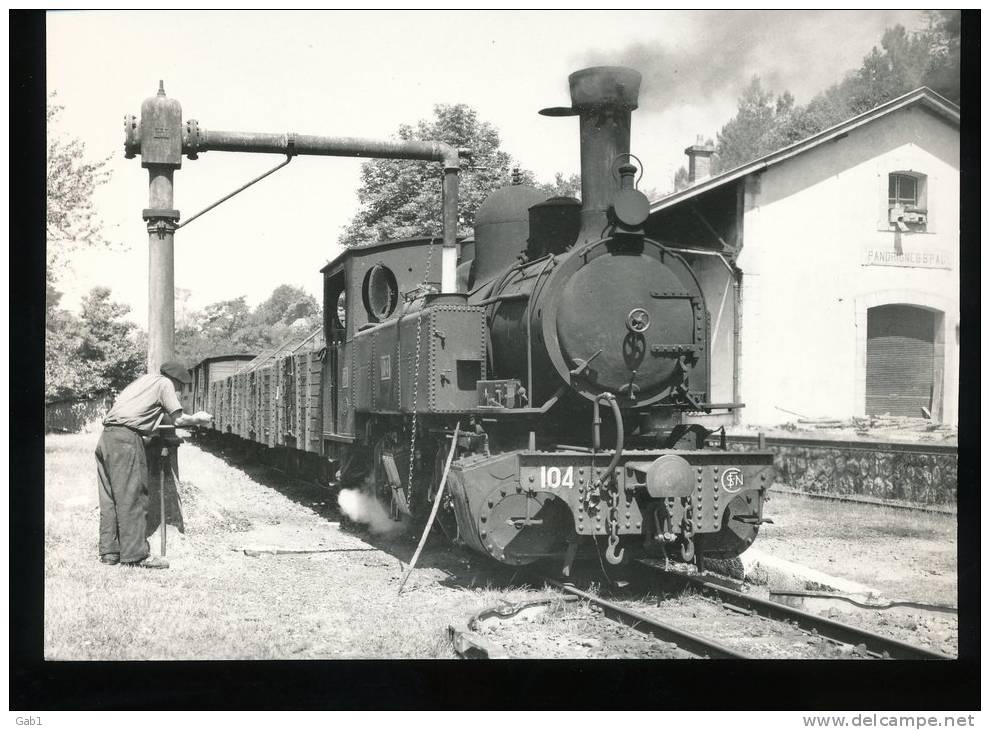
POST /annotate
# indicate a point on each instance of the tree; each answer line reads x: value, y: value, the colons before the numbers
x: 222, y: 320
x: 569, y: 187
x: 751, y: 133
x: 212, y: 331
x: 899, y: 68
x: 903, y: 62
x: 108, y: 346
x: 183, y: 311
x: 944, y: 37
x: 231, y: 327
x: 72, y: 221
x: 402, y: 198
x: 97, y: 352
x: 286, y: 305
x: 62, y: 336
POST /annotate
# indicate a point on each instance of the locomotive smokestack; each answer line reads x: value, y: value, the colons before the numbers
x: 604, y: 97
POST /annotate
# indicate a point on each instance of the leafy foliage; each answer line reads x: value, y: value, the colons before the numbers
x: 231, y: 327
x: 97, y: 352
x: 561, y: 186
x: 905, y: 61
x: 72, y: 221
x: 760, y: 123
x: 402, y: 198
x: 286, y: 305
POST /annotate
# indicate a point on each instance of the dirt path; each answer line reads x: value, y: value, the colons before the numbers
x: 909, y: 555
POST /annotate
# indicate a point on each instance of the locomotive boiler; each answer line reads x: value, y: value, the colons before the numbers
x: 573, y: 352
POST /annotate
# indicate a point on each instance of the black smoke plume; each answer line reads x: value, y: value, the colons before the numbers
x: 725, y: 49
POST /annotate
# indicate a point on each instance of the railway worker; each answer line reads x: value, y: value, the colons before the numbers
x: 122, y: 467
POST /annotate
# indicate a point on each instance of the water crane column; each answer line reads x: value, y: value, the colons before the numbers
x: 158, y: 139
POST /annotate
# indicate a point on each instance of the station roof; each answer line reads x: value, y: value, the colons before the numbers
x: 923, y: 97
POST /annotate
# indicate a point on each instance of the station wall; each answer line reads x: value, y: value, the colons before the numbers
x: 820, y: 252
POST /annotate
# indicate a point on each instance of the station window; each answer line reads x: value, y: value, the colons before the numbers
x: 907, y: 201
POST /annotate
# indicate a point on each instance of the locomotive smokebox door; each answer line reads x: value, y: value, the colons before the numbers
x: 635, y: 312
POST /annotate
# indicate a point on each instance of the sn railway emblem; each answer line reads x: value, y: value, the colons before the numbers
x: 732, y: 480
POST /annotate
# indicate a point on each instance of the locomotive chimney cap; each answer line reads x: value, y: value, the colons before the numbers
x: 598, y: 87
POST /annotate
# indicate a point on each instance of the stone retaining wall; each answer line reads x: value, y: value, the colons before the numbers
x: 923, y: 478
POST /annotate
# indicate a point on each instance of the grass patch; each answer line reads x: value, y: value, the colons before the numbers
x: 217, y: 603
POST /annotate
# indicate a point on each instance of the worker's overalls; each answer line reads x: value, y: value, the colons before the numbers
x: 122, y: 471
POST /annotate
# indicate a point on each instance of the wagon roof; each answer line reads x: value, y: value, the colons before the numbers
x: 289, y: 347
x: 231, y: 356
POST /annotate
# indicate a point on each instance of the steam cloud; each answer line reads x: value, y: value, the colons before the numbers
x: 367, y: 510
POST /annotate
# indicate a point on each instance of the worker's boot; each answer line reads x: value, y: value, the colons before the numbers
x: 152, y: 561
x: 110, y: 558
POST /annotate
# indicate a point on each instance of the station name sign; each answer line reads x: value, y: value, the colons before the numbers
x: 917, y: 259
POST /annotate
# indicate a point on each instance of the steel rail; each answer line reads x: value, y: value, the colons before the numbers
x: 877, y: 644
x: 937, y: 509
x: 665, y: 632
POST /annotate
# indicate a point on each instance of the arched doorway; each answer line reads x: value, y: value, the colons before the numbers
x: 903, y: 360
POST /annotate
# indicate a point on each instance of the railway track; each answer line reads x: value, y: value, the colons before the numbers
x: 875, y: 645
x: 761, y: 621
x: 692, y: 643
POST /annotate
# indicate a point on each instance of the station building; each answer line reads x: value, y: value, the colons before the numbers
x: 830, y: 267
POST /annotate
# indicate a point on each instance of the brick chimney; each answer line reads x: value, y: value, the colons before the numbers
x: 699, y: 160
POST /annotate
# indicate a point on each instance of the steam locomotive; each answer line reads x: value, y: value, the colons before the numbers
x: 568, y: 362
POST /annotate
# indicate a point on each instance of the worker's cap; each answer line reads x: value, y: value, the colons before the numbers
x: 175, y: 370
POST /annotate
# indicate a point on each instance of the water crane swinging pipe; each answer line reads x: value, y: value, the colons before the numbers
x: 161, y: 138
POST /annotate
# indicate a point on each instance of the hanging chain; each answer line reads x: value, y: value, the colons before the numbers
x: 613, y: 521
x: 419, y: 339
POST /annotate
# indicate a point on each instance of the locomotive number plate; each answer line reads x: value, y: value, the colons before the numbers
x: 732, y: 480
x: 553, y: 477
